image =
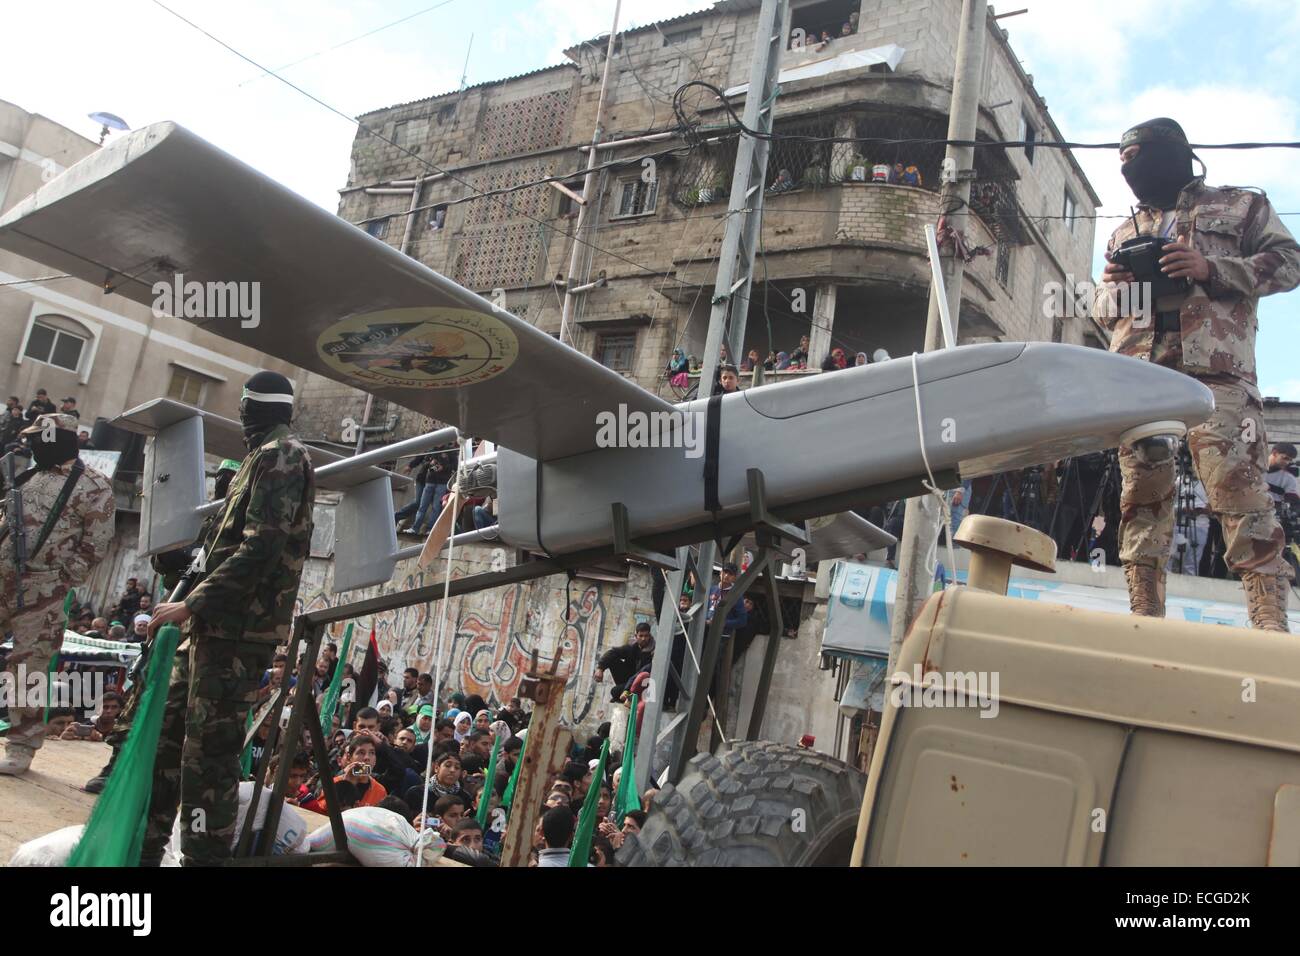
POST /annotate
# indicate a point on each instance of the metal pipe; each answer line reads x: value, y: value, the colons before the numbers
x: 465, y: 537
x: 630, y: 141
x: 566, y: 310
x: 396, y: 450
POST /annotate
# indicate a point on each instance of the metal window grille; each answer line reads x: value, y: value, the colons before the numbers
x: 615, y: 352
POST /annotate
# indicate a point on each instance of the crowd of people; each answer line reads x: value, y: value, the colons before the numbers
x: 378, y: 757
x: 681, y: 365
x: 379, y: 750
x: 17, y: 417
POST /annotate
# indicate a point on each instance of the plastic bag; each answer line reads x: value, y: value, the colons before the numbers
x: 53, y: 849
x: 290, y: 834
x: 378, y: 837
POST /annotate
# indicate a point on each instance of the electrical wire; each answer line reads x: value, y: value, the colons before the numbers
x: 371, y: 132
x: 883, y: 141
x: 339, y: 46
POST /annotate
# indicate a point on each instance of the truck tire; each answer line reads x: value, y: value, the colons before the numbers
x: 758, y: 804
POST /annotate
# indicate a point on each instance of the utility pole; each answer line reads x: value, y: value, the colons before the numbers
x: 916, y: 550
x: 727, y: 319
x: 588, y: 184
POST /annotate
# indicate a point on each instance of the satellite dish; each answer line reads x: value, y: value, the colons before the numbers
x: 109, y: 122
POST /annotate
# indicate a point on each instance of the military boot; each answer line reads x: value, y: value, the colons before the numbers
x: 1266, y: 596
x: 97, y: 783
x: 1146, y: 589
x: 17, y: 759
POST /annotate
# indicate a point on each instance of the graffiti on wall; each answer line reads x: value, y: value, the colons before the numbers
x: 489, y: 637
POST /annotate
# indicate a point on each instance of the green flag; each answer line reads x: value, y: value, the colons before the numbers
x: 54, y: 659
x: 115, y: 831
x: 330, y: 702
x: 246, y: 758
x: 489, y: 784
x: 581, y: 851
x: 509, y: 796
x: 627, y: 799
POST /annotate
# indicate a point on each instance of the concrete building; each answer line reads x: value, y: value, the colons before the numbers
x: 842, y: 259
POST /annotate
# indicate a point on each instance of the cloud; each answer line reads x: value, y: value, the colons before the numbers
x: 1287, y: 391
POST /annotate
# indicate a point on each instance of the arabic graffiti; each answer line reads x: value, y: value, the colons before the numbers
x: 490, y: 635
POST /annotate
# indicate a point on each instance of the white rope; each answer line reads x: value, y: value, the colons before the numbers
x: 690, y: 650
x: 437, y: 659
x: 944, y: 507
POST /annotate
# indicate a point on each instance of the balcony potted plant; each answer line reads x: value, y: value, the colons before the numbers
x: 855, y: 169
x: 714, y: 190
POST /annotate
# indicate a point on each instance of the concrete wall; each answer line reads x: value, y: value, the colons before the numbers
x: 490, y: 634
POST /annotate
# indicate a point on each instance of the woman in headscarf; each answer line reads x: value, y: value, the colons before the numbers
x: 501, y: 729
x: 678, y: 370
x: 482, y: 720
x: 461, y: 724
x: 782, y: 361
x: 861, y: 359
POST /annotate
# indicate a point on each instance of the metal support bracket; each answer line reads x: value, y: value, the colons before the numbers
x: 625, y: 547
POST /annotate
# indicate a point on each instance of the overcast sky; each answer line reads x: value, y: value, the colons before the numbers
x: 1228, y: 71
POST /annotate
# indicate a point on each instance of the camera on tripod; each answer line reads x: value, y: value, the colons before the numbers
x: 1141, y: 256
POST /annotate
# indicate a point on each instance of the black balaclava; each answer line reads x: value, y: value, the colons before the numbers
x: 267, y: 401
x: 49, y: 454
x: 1163, y: 165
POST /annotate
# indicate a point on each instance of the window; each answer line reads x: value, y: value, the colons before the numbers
x: 829, y: 17
x: 378, y: 227
x: 1029, y: 135
x: 1003, y: 269
x: 683, y: 36
x: 54, y: 346
x: 635, y: 198
x: 615, y: 351
x: 186, y: 387
x: 437, y: 218
x: 1068, y: 210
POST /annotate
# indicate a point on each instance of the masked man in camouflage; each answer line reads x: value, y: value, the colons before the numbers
x: 171, y: 565
x: 67, y: 524
x: 1231, y: 248
x: 238, y: 611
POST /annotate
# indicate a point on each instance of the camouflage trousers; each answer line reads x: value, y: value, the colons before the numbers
x: 38, y: 638
x: 213, y: 687
x: 1229, y: 452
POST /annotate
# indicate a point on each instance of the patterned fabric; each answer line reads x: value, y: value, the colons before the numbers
x: 77, y: 542
x: 213, y: 687
x: 1250, y: 254
x: 254, y: 552
x: 1232, y: 471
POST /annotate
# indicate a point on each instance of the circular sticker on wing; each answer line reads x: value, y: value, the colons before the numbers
x: 428, y: 347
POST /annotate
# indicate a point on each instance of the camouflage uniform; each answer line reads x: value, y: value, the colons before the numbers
x: 1250, y: 254
x: 242, y: 609
x: 76, y: 543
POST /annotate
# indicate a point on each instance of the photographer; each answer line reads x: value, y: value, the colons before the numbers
x: 1202, y: 258
x: 358, y: 762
